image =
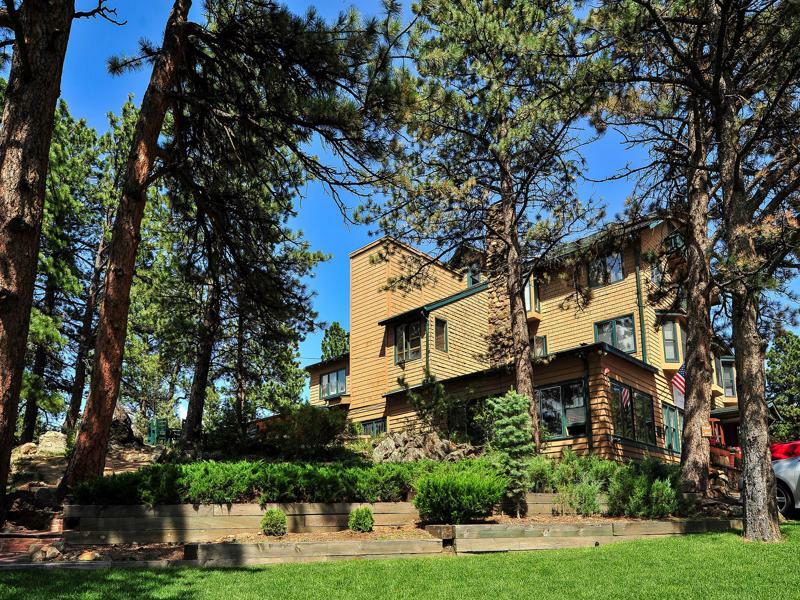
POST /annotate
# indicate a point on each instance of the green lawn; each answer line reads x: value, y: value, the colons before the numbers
x: 699, y: 566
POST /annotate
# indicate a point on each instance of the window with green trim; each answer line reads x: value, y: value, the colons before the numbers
x: 632, y: 413
x: 407, y: 342
x: 669, y: 331
x: 562, y: 408
x: 673, y: 427
x: 618, y: 332
x: 728, y: 377
x: 474, y: 274
x: 540, y: 346
x: 374, y: 427
x: 440, y: 334
x: 333, y: 384
x: 606, y: 269
x: 532, y: 296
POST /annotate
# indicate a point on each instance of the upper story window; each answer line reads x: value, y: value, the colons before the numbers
x: 563, y: 409
x: 606, y: 269
x: 669, y: 331
x: 474, y: 274
x: 632, y: 411
x: 407, y: 342
x: 531, y: 294
x: 728, y: 376
x: 440, y: 334
x: 673, y: 242
x: 617, y: 332
x: 333, y: 384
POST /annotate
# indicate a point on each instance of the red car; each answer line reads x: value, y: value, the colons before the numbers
x: 785, y: 450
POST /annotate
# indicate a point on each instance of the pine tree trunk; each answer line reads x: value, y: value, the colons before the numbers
x: 695, y: 456
x: 510, y: 337
x: 85, y: 339
x: 240, y: 375
x: 208, y: 331
x: 40, y: 355
x: 760, y: 504
x: 88, y: 458
x: 25, y: 135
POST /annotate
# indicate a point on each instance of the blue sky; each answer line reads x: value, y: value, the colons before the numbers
x: 91, y: 93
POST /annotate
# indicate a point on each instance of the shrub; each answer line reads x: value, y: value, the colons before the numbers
x: 511, y: 440
x: 584, y: 496
x: 540, y: 473
x: 644, y: 489
x: 453, y: 497
x: 361, y: 520
x: 274, y: 522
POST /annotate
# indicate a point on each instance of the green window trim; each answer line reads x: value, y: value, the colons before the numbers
x: 411, y: 341
x: 542, y: 340
x: 614, y: 340
x: 443, y: 337
x: 340, y: 384
x: 608, y: 269
x: 674, y: 342
x: 728, y: 366
x: 673, y: 427
x: 473, y: 274
x: 565, y: 418
x: 373, y: 427
x: 639, y: 407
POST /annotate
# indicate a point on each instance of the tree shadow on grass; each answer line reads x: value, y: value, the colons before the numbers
x: 105, y: 584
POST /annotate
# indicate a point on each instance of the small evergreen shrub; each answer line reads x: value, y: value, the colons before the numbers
x: 452, y: 497
x: 540, y: 474
x: 645, y: 489
x: 583, y: 497
x: 361, y: 520
x: 274, y: 522
x: 511, y: 441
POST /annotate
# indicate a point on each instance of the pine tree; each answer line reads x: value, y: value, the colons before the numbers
x: 492, y: 159
x: 335, y: 342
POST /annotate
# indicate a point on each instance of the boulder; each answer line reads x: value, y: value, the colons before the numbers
x: 51, y: 552
x: 27, y: 449
x: 53, y: 443
x: 406, y: 446
x: 88, y: 555
x: 122, y: 427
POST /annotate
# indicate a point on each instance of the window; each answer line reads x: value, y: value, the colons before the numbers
x: 657, y: 274
x: 440, y: 334
x: 474, y: 274
x: 540, y: 346
x: 563, y: 409
x: 673, y: 427
x: 607, y: 269
x: 532, y: 296
x: 333, y: 384
x: 407, y: 344
x: 728, y: 377
x: 374, y: 427
x: 673, y: 242
x: 669, y: 330
x: 632, y: 412
x: 617, y: 332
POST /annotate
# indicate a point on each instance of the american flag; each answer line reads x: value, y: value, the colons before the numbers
x: 626, y: 397
x: 678, y: 379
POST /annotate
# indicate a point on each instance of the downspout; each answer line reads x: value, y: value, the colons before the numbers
x: 640, y: 302
x: 586, y: 400
x: 427, y: 344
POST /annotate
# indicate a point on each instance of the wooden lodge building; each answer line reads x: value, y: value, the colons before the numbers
x: 602, y: 370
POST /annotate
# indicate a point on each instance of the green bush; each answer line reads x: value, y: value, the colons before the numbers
x: 540, y: 474
x: 512, y: 442
x: 210, y: 482
x: 361, y: 520
x: 644, y: 489
x: 454, y: 497
x: 583, y: 496
x: 274, y: 522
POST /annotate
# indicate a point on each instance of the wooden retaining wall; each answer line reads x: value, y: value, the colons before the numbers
x: 232, y: 555
x: 470, y: 539
x: 183, y: 523
x: 548, y: 504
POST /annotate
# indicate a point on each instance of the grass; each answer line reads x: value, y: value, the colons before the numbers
x: 700, y: 566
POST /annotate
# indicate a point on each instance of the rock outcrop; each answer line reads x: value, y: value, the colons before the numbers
x: 405, y: 446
